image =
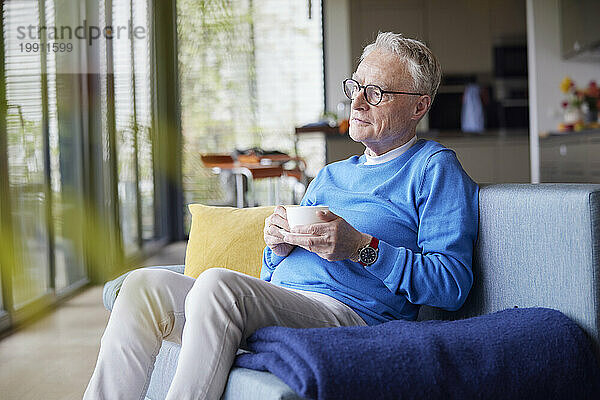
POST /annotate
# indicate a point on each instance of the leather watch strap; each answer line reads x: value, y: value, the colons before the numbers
x: 374, y: 244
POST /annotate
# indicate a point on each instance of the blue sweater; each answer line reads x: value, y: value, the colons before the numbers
x: 421, y: 206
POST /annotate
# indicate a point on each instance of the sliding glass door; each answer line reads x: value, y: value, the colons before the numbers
x: 143, y: 111
x: 250, y: 72
x: 78, y: 186
x: 27, y: 157
x: 65, y: 160
x: 133, y: 116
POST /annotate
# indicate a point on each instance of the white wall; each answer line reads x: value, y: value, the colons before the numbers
x: 546, y: 70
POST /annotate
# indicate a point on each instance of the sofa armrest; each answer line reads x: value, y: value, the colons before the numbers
x: 111, y: 288
x: 538, y: 246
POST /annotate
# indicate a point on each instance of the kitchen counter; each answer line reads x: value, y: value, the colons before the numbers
x: 333, y: 131
x: 570, y: 157
x: 494, y: 156
x: 487, y: 134
x: 586, y: 132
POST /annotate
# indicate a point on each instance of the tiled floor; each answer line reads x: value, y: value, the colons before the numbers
x: 54, y: 357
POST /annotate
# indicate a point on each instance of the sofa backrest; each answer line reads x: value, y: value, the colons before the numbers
x: 538, y: 246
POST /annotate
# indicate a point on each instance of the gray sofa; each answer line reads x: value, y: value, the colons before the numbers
x: 538, y: 246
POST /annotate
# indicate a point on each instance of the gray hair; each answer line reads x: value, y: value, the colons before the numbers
x: 422, y: 65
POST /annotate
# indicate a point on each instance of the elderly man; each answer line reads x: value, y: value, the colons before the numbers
x: 400, y: 233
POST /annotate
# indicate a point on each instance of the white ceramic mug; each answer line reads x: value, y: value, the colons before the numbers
x: 303, y: 215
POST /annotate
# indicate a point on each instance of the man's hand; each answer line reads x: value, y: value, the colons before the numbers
x: 333, y: 239
x: 276, y: 225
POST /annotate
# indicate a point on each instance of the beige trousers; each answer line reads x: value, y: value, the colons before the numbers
x: 210, y: 317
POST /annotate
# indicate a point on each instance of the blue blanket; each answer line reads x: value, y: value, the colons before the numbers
x: 530, y: 353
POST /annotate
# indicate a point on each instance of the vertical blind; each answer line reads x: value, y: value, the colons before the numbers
x: 50, y: 143
x: 25, y: 138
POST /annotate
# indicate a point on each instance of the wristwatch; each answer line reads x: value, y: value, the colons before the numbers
x: 368, y: 254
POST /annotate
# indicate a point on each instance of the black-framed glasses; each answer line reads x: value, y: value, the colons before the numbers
x: 373, y: 93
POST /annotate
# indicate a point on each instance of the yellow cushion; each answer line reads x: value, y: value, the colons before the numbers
x: 226, y: 237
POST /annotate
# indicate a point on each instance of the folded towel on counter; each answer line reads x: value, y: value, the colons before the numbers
x: 532, y: 353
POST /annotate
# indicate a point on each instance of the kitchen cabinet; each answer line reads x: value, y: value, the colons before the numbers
x: 475, y: 27
x: 594, y: 159
x: 489, y: 158
x: 341, y: 147
x: 580, y: 30
x: 570, y: 158
x: 493, y: 158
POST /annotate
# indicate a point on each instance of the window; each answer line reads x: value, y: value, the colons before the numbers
x: 66, y: 180
x: 125, y: 128
x: 26, y: 156
x: 250, y: 71
x: 78, y: 154
x: 131, y: 66
x: 143, y: 108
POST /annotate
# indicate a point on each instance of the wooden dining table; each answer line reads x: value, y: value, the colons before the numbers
x: 252, y: 167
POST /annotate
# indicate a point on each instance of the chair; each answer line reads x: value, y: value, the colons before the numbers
x: 297, y: 172
x: 252, y: 170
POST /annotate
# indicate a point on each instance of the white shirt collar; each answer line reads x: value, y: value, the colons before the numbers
x: 390, y: 155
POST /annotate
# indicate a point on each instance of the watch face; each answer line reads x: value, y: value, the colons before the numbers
x: 368, y: 255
